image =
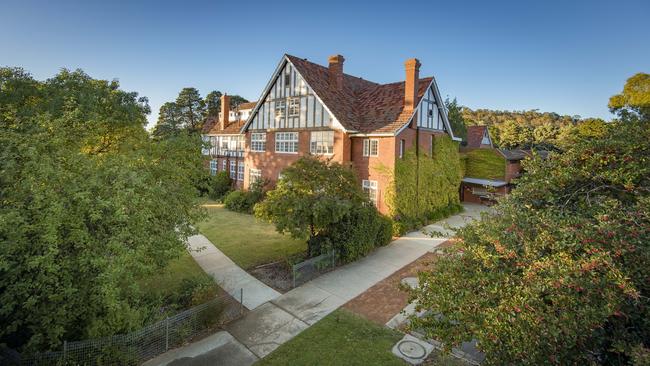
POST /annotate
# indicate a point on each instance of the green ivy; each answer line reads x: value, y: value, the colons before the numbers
x: 424, y: 187
x: 484, y: 164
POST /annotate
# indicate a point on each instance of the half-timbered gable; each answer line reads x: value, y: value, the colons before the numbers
x: 289, y: 103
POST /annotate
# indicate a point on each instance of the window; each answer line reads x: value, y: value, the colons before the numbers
x: 370, y: 187
x: 486, y: 139
x: 224, y: 165
x: 205, y: 148
x: 322, y: 142
x: 370, y: 147
x: 258, y: 141
x: 280, y: 106
x: 240, y: 172
x: 287, y: 80
x: 294, y: 107
x: 254, y: 175
x: 233, y: 169
x: 402, y: 144
x: 286, y: 142
x: 213, y: 167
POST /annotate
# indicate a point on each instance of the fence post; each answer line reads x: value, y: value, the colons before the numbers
x: 65, y: 350
x: 166, y: 334
x: 241, y: 300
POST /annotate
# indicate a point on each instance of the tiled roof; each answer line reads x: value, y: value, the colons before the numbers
x: 212, y: 127
x: 360, y: 105
x: 475, y: 135
x: 249, y: 105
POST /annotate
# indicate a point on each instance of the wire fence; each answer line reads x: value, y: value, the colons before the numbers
x: 138, y: 346
x: 312, y: 267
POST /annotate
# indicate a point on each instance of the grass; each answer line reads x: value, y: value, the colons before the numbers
x: 247, y: 241
x: 169, y: 281
x: 341, y: 338
x: 485, y: 164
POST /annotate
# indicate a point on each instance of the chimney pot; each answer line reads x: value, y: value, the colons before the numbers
x: 225, y: 111
x: 336, y: 71
x: 412, y: 67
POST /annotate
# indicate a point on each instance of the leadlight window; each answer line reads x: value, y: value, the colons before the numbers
x: 213, y: 167
x: 294, y: 107
x: 370, y: 187
x: 240, y: 172
x: 258, y: 142
x: 322, y: 143
x: 233, y: 169
x: 286, y: 142
x: 370, y: 147
x: 280, y: 107
x: 254, y: 175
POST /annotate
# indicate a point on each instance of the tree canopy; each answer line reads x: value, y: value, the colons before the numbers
x: 634, y: 102
x: 558, y: 274
x: 90, y: 204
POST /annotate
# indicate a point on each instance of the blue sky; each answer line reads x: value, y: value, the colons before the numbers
x: 563, y: 56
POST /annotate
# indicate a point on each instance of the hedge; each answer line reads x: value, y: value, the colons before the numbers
x: 485, y: 164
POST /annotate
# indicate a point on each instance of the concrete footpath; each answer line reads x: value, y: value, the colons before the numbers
x: 228, y: 275
x: 282, y: 317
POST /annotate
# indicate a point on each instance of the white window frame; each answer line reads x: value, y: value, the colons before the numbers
x: 241, y: 169
x: 206, y: 140
x: 258, y: 141
x: 294, y: 107
x: 214, y: 167
x: 286, y: 142
x: 224, y: 166
x: 402, y: 146
x: 322, y: 143
x: 371, y: 147
x: 254, y: 175
x: 280, y: 108
x: 371, y: 189
x: 233, y: 169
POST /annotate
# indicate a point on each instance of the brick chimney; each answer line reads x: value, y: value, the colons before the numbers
x: 336, y: 71
x: 412, y: 67
x: 224, y: 115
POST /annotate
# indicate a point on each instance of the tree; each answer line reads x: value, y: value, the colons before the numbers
x: 546, y: 133
x: 90, y: 204
x: 312, y: 195
x: 213, y: 103
x: 191, y: 109
x: 169, y: 119
x: 236, y: 100
x: 513, y: 134
x: 634, y: 102
x: 456, y: 118
x: 558, y: 274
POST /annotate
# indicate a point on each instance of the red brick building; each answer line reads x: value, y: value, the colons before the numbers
x: 307, y: 108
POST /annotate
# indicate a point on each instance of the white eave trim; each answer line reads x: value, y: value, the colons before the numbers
x: 485, y: 182
x: 335, y: 123
x: 387, y: 134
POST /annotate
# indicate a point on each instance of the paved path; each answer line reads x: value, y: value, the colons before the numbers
x: 228, y: 275
x: 282, y: 317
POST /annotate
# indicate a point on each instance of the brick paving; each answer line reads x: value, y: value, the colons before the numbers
x: 385, y: 299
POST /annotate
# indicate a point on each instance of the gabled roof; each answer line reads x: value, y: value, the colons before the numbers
x: 475, y: 136
x: 213, y: 127
x: 361, y: 106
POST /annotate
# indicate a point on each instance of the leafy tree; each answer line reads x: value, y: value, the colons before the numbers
x: 545, y: 133
x: 169, y: 119
x: 558, y: 274
x: 634, y: 102
x: 236, y: 100
x: 513, y: 134
x: 456, y: 118
x: 191, y: 108
x: 90, y: 204
x: 312, y: 195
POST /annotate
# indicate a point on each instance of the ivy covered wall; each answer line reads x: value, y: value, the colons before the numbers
x: 485, y: 164
x: 424, y: 185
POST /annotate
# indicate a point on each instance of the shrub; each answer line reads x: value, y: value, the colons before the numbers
x: 219, y: 185
x: 358, y: 233
x: 193, y: 291
x: 245, y: 201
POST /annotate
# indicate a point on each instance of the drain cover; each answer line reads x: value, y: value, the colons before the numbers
x: 412, y: 350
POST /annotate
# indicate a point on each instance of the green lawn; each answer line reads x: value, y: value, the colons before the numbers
x: 247, y: 241
x: 341, y: 338
x: 169, y: 280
